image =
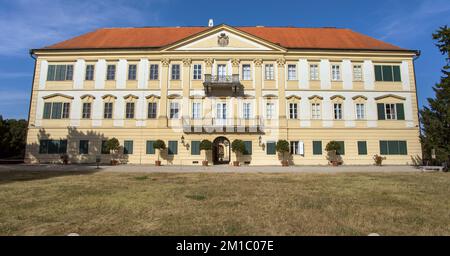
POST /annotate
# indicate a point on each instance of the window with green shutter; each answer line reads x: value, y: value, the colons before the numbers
x: 43, y: 146
x: 53, y: 147
x: 317, y: 147
x: 56, y: 110
x: 381, y: 113
x: 387, y: 74
x: 195, y: 148
x: 271, y: 148
x: 83, y: 148
x: 378, y: 73
x: 362, y: 148
x: 400, y: 111
x: 173, y: 147
x: 105, y: 150
x: 397, y: 76
x: 128, y: 147
x: 341, y: 150
x: 393, y: 147
x: 149, y: 147
x: 47, y: 110
x: 384, y: 147
x: 402, y: 146
x: 248, y: 147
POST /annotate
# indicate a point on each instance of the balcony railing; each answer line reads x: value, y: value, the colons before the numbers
x: 222, y: 85
x: 233, y: 79
x: 218, y: 125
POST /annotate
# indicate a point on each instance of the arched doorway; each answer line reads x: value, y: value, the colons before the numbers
x: 221, y: 151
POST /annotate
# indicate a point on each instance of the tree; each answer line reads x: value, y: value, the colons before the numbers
x: 112, y: 145
x: 238, y: 147
x: 160, y: 145
x: 282, y: 147
x: 12, y: 138
x: 332, y: 148
x: 435, y: 118
x: 205, y: 145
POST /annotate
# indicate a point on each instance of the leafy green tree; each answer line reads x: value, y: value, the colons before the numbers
x: 282, y: 147
x: 435, y: 118
x: 160, y: 145
x: 205, y: 145
x: 12, y: 138
x: 238, y: 147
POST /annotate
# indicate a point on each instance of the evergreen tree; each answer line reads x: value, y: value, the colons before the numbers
x: 435, y: 117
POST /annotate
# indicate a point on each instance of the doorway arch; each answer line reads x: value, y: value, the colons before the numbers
x: 221, y: 151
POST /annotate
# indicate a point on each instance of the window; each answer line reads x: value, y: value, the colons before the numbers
x: 86, y: 113
x: 108, y: 110
x: 197, y: 72
x: 391, y: 111
x: 335, y: 72
x: 83, y: 147
x: 337, y: 111
x: 248, y: 148
x: 317, y: 148
x: 104, y: 149
x: 60, y: 72
x: 246, y: 75
x: 357, y: 73
x: 132, y: 70
x: 294, y: 149
x: 387, y: 73
x: 293, y: 111
x: 149, y: 147
x: 196, y: 110
x: 362, y: 148
x: 360, y: 111
x: 270, y: 110
x: 314, y: 72
x: 172, y: 149
x: 174, y: 110
x: 175, y: 72
x: 222, y: 72
x: 111, y: 72
x: 195, y: 148
x: 292, y: 72
x: 128, y: 147
x: 56, y: 110
x: 393, y: 147
x: 315, y: 111
x: 151, y: 114
x: 271, y: 148
x: 52, y: 146
x: 89, y: 73
x: 247, y: 107
x: 269, y: 72
x: 129, y: 110
x: 154, y: 72
x: 341, y: 150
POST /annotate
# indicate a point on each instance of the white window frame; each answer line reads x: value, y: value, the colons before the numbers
x: 111, y: 114
x: 336, y: 72
x: 357, y: 75
x: 246, y: 74
x: 155, y: 74
x: 129, y: 110
x: 86, y: 112
x: 247, y: 110
x: 270, y: 111
x: 293, y: 111
x: 292, y: 72
x: 197, y: 72
x: 314, y: 72
x: 269, y: 72
x: 337, y: 111
x: 132, y: 72
x: 392, y: 115
x: 174, y: 110
x: 148, y: 110
x: 196, y: 110
x: 173, y: 74
x: 360, y: 115
x: 316, y: 111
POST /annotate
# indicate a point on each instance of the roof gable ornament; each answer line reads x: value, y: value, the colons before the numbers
x: 223, y: 40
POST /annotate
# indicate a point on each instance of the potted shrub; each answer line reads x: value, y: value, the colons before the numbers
x: 112, y: 145
x: 159, y: 145
x: 332, y: 149
x: 205, y: 145
x: 64, y: 158
x: 283, y: 147
x: 238, y: 147
x: 378, y: 160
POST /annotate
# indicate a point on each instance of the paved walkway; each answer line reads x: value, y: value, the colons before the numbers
x: 211, y: 169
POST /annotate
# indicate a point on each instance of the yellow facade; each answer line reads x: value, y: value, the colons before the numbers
x: 271, y: 80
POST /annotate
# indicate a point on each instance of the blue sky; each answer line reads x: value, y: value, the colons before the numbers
x: 26, y: 24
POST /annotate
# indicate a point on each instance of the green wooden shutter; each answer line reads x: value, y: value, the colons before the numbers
x: 128, y: 147
x: 317, y: 147
x: 56, y: 110
x: 51, y: 73
x: 83, y: 147
x: 149, y: 147
x: 341, y: 150
x: 384, y: 147
x: 47, y: 110
x: 271, y: 148
x: 378, y: 73
x: 53, y: 146
x: 393, y: 147
x: 380, y: 108
x: 43, y: 146
x: 397, y: 75
x: 105, y: 151
x: 248, y: 147
x: 362, y: 148
x: 195, y: 148
x: 173, y: 147
x: 400, y: 111
x: 403, y: 150
x: 387, y: 74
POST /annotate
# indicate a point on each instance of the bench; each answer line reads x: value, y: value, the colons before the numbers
x: 432, y: 168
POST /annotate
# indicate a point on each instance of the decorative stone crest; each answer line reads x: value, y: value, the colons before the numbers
x: 187, y: 62
x: 258, y: 62
x: 223, y: 40
x: 235, y: 62
x: 281, y: 62
x: 165, y: 62
x: 208, y: 62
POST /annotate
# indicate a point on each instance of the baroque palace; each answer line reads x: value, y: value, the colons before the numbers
x: 258, y: 84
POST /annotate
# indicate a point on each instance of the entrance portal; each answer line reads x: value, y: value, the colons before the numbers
x: 221, y: 151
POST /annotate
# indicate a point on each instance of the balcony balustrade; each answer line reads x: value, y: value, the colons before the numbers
x: 223, y: 85
x: 217, y: 125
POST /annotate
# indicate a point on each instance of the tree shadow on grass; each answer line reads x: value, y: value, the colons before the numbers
x: 20, y: 176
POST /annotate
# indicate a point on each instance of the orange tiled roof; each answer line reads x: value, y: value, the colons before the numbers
x: 288, y: 37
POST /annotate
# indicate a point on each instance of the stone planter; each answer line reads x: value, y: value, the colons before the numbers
x: 157, y: 163
x: 205, y: 163
x: 235, y: 163
x: 284, y: 163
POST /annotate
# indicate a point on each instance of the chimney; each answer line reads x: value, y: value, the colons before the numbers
x: 210, y: 23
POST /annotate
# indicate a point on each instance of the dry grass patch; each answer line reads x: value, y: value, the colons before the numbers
x: 89, y: 203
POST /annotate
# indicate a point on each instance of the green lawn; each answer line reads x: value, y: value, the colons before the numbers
x: 50, y: 203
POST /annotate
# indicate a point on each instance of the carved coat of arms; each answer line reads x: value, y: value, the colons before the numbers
x: 223, y: 40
